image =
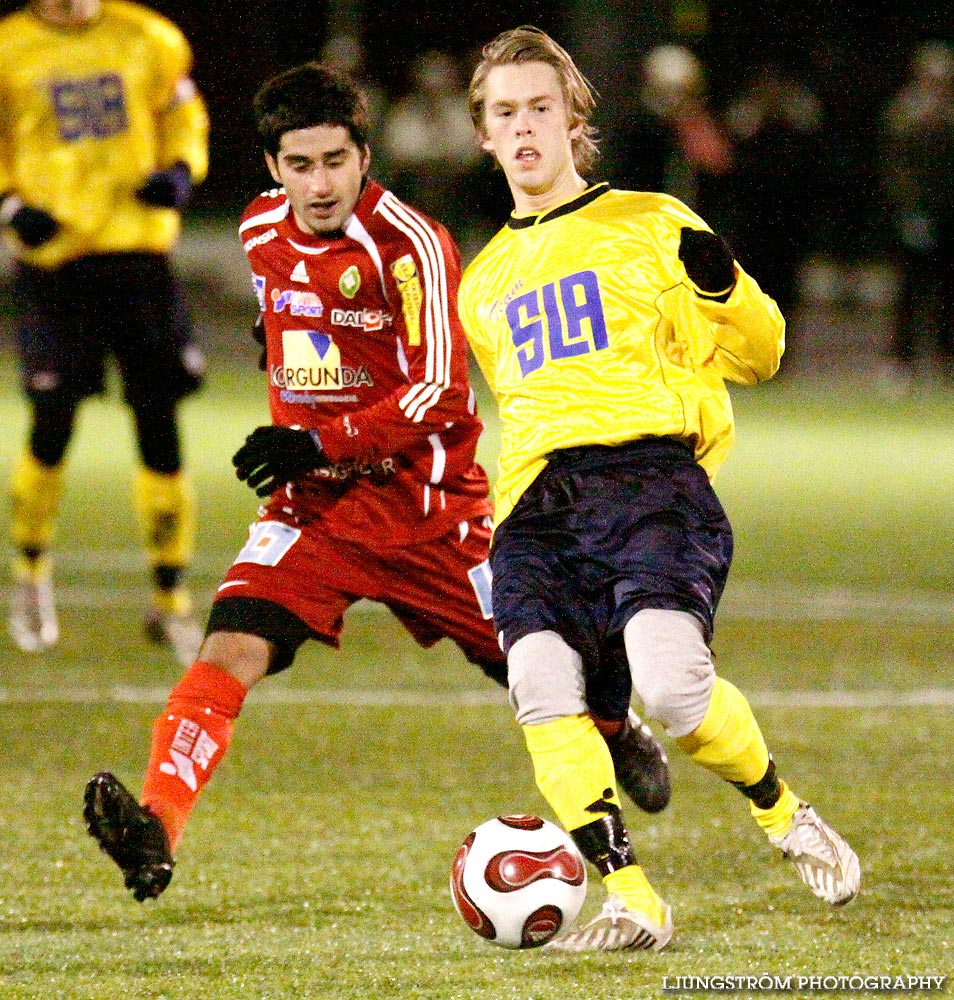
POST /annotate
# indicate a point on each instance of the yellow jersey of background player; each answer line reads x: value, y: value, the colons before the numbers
x: 80, y: 145
x: 588, y: 331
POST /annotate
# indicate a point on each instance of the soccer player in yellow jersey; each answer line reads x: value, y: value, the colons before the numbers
x: 102, y: 135
x: 606, y: 323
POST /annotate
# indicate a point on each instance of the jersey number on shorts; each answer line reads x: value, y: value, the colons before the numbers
x: 579, y: 327
x: 267, y: 542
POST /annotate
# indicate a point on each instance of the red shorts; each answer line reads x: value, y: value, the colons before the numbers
x: 437, y: 589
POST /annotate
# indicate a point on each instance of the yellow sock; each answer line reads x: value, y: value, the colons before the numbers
x: 175, y: 601
x: 573, y: 768
x: 36, y: 490
x: 632, y: 886
x: 728, y: 741
x: 32, y: 570
x: 165, y: 510
x: 776, y: 820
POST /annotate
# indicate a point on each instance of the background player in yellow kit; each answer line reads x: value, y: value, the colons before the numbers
x: 102, y: 135
x: 606, y: 323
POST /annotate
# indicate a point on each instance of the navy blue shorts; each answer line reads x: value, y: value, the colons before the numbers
x: 604, y: 532
x: 125, y: 305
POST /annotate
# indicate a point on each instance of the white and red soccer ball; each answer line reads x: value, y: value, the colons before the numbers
x: 518, y: 881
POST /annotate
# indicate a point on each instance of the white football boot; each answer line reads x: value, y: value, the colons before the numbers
x: 615, y: 928
x: 822, y: 858
x: 32, y: 619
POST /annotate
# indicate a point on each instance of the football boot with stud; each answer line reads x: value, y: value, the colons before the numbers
x: 32, y: 617
x: 181, y: 633
x: 130, y: 834
x: 641, y: 764
x: 822, y: 858
x: 617, y: 927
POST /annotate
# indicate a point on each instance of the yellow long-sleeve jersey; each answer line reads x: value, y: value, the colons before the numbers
x: 86, y: 115
x: 589, y: 331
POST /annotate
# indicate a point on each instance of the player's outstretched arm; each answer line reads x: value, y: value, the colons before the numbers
x: 731, y: 321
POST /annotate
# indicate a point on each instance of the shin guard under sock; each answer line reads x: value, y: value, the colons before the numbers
x: 165, y: 510
x: 728, y: 741
x: 188, y: 741
x: 35, y: 491
x: 573, y: 769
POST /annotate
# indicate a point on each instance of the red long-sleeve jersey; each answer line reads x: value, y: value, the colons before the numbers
x: 364, y: 345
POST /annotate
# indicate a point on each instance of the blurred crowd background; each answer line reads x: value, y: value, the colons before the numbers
x: 818, y: 137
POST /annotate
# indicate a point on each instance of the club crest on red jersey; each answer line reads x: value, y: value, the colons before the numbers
x: 350, y: 282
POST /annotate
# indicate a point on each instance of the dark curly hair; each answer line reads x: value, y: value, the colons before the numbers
x: 308, y: 95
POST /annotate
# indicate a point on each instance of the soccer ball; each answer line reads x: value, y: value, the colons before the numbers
x: 518, y: 880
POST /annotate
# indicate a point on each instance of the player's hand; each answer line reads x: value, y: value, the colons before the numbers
x: 707, y: 259
x: 273, y: 456
x: 258, y: 335
x: 33, y: 226
x: 167, y: 188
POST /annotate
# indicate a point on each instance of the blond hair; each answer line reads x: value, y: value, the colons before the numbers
x: 529, y: 44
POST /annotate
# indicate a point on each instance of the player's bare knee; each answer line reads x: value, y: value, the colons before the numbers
x: 671, y: 666
x: 244, y: 656
x: 546, y: 679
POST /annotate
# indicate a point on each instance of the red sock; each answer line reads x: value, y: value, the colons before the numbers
x: 188, y: 741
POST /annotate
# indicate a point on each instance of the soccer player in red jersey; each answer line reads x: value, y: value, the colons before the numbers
x: 368, y: 471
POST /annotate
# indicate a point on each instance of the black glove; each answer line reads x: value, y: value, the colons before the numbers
x: 258, y: 335
x: 34, y: 226
x: 708, y: 260
x: 167, y: 188
x: 273, y: 456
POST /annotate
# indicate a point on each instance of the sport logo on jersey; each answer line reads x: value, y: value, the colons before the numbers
x: 563, y: 319
x: 297, y: 303
x: 311, y: 360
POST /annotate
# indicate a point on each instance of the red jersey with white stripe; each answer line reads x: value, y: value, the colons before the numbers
x: 364, y: 345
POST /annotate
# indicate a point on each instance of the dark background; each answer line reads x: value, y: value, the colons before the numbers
x: 854, y: 55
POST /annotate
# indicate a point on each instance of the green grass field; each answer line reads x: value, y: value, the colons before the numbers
x: 316, y: 865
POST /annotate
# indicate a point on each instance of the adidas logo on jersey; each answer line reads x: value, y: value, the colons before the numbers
x: 300, y: 274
